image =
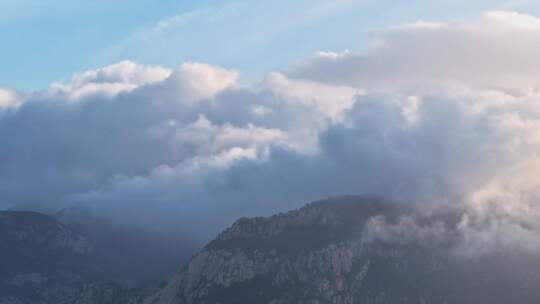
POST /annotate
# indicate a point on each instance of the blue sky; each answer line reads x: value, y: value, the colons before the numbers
x: 43, y: 41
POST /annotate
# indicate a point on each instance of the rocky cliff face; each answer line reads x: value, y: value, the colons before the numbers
x: 108, y: 293
x: 322, y: 254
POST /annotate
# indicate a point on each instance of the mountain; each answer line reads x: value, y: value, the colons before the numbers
x: 122, y: 249
x: 330, y: 251
x: 43, y: 261
x: 324, y: 253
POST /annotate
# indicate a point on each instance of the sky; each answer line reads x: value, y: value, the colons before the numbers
x: 181, y: 117
x: 44, y: 41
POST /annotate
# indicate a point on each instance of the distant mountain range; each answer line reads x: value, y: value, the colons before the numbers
x: 320, y: 253
x: 42, y: 260
x: 73, y: 257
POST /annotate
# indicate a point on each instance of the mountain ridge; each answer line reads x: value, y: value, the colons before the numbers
x: 325, y: 252
x: 321, y: 253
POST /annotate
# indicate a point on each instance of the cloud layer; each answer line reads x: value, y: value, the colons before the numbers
x: 434, y: 115
x: 495, y: 51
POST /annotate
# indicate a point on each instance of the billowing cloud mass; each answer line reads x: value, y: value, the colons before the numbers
x: 434, y: 115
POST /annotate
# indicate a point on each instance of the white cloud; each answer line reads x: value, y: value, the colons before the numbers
x: 9, y: 98
x: 124, y: 76
x: 199, y: 80
x: 206, y: 138
x: 498, y: 50
x: 331, y: 101
x: 505, y: 20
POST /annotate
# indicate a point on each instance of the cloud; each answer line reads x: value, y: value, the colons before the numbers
x: 331, y: 101
x: 452, y: 153
x: 8, y: 98
x: 408, y: 230
x: 61, y: 140
x: 434, y: 116
x: 199, y: 80
x: 124, y: 76
x: 495, y: 51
